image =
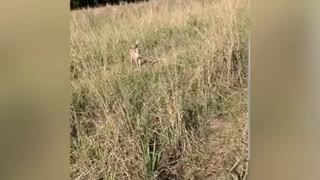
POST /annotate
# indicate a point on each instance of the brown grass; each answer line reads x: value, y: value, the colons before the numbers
x: 184, y: 117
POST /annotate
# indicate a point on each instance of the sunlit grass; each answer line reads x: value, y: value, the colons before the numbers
x: 183, y: 117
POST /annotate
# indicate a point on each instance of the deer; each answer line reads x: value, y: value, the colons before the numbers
x: 135, y: 56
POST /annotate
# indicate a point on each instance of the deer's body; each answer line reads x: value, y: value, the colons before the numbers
x: 135, y: 56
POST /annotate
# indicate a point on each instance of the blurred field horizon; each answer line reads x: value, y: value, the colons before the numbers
x: 184, y: 117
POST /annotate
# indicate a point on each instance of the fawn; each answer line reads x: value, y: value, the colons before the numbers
x: 135, y: 56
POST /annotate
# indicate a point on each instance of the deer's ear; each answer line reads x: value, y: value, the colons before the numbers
x: 137, y: 42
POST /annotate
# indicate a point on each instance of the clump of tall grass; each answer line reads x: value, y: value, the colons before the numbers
x: 183, y: 117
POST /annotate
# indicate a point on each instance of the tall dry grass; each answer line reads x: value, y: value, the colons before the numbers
x: 183, y: 117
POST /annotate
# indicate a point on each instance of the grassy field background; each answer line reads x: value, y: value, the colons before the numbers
x: 183, y: 117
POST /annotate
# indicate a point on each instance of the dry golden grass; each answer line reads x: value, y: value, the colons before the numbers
x: 184, y: 117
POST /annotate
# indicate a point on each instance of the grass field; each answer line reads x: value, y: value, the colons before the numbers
x: 183, y: 117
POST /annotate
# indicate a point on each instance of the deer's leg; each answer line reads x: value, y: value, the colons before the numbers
x: 139, y: 62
